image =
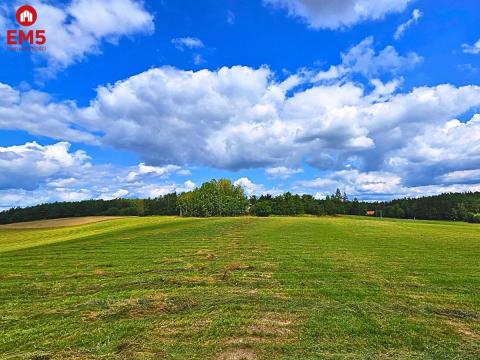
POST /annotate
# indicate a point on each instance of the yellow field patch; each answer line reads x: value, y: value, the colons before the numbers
x: 15, y: 238
x: 53, y: 223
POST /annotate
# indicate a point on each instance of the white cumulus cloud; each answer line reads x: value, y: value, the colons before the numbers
x: 376, y: 185
x: 187, y: 42
x: 328, y: 14
x: 364, y: 59
x: 161, y: 171
x: 252, y: 188
x: 78, y: 28
x: 239, y: 117
x: 27, y: 166
x: 472, y: 49
x: 37, y: 113
x: 282, y: 172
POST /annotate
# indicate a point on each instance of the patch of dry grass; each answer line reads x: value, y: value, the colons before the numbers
x: 54, y: 223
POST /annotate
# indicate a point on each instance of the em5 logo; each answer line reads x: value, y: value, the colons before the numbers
x: 26, y: 16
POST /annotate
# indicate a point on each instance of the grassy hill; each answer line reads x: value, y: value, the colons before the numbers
x: 241, y: 288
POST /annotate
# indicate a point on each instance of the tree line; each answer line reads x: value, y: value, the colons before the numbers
x: 449, y: 206
x: 222, y: 198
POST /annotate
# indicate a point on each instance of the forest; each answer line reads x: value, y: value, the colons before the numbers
x: 222, y: 198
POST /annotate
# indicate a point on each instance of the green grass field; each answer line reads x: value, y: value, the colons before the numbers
x: 241, y: 288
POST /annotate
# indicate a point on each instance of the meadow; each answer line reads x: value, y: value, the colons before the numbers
x: 241, y: 288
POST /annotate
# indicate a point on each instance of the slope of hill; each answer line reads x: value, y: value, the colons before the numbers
x: 246, y: 287
x: 60, y: 222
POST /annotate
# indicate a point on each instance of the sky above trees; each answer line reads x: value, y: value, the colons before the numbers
x: 138, y: 99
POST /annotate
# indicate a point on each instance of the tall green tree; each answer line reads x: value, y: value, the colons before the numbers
x: 214, y: 198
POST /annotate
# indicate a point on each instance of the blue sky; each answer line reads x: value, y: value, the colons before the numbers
x: 379, y: 98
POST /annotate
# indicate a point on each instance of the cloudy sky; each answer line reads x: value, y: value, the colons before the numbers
x: 380, y: 98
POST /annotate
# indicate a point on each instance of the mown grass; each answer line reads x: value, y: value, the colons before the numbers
x: 63, y: 222
x: 241, y: 288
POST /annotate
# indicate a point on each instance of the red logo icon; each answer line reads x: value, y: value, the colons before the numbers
x: 23, y: 39
x: 26, y: 15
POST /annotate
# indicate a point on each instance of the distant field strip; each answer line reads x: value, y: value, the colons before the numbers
x: 53, y: 223
x: 241, y: 288
x: 15, y: 239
